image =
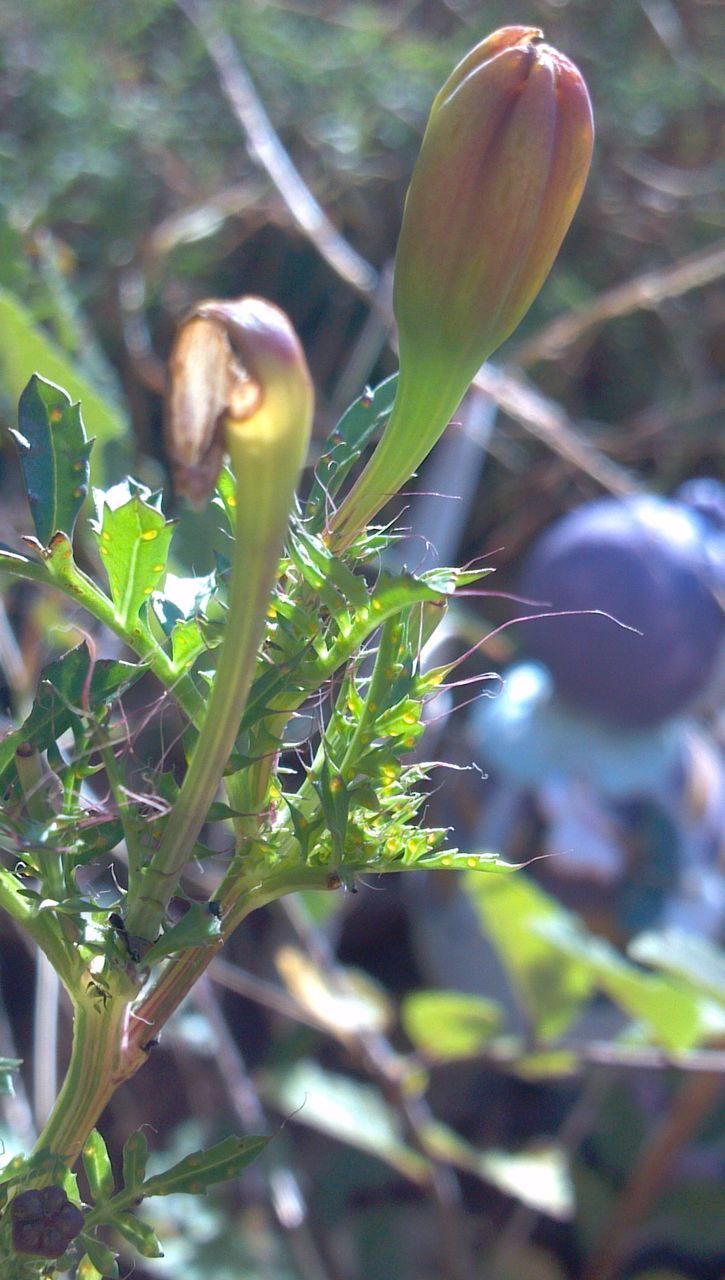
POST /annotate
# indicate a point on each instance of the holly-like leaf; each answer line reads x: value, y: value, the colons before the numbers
x: 68, y: 690
x: 97, y: 1164
x: 135, y: 1154
x: 201, y: 1170
x: 54, y: 452
x: 138, y: 1233
x: 197, y: 928
x: 133, y: 539
x: 26, y: 346
x: 355, y: 429
x: 101, y: 1257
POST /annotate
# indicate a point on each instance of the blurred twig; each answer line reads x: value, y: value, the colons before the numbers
x: 15, y: 1107
x: 545, y: 419
x: 382, y: 1064
x: 267, y: 151
x: 14, y: 668
x: 644, y: 292
x: 695, y: 1101
x: 285, y: 1193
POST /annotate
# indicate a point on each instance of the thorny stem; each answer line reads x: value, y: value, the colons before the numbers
x: 95, y: 1070
x: 251, y: 582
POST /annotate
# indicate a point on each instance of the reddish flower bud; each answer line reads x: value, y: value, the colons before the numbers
x: 500, y: 173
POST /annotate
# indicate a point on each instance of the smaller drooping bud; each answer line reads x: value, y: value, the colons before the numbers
x: 501, y: 170
x: 267, y: 417
x: 207, y: 380
x: 239, y: 385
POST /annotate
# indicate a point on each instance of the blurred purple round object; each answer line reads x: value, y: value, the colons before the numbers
x: 643, y: 561
x: 706, y: 496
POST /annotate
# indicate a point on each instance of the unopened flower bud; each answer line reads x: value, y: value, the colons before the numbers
x: 501, y: 170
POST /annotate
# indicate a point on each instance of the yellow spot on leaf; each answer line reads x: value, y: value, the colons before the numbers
x: 149, y: 535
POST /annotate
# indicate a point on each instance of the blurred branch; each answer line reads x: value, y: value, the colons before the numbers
x: 19, y: 679
x: 644, y: 292
x: 694, y: 1103
x: 503, y: 1056
x: 284, y: 1191
x: 266, y: 150
x: 545, y: 419
x: 379, y: 1060
x: 201, y: 220
x: 14, y: 1106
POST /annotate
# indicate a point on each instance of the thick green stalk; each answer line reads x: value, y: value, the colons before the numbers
x: 266, y: 436
x: 95, y: 1070
x: 253, y: 574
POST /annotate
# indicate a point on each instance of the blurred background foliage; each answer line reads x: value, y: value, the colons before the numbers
x: 129, y: 189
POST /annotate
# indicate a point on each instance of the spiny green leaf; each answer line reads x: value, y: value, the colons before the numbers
x: 133, y: 540
x: 97, y: 1165
x: 54, y: 454
x: 59, y: 703
x: 102, y: 1258
x: 355, y: 429
x: 201, y: 1170
x: 138, y: 1233
x: 26, y: 347
x: 335, y: 800
x: 135, y: 1154
x: 198, y: 927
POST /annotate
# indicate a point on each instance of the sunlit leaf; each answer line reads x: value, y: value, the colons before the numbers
x: 133, y: 540
x: 97, y: 1166
x: 102, y: 1258
x: 26, y: 349
x: 87, y: 1271
x: 673, y: 1013
x: 201, y: 1170
x: 538, y: 1176
x: 349, y: 1112
x: 449, y: 1024
x: 138, y: 1233
x: 69, y: 688
x: 54, y: 454
x: 135, y: 1154
x: 694, y: 959
x: 551, y: 988
x: 352, y: 1003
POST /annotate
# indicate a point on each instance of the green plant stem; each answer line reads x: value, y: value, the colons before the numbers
x: 254, y: 569
x: 76, y: 584
x: 111, y: 1041
x: 244, y: 894
x: 41, y: 925
x: 95, y: 1070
